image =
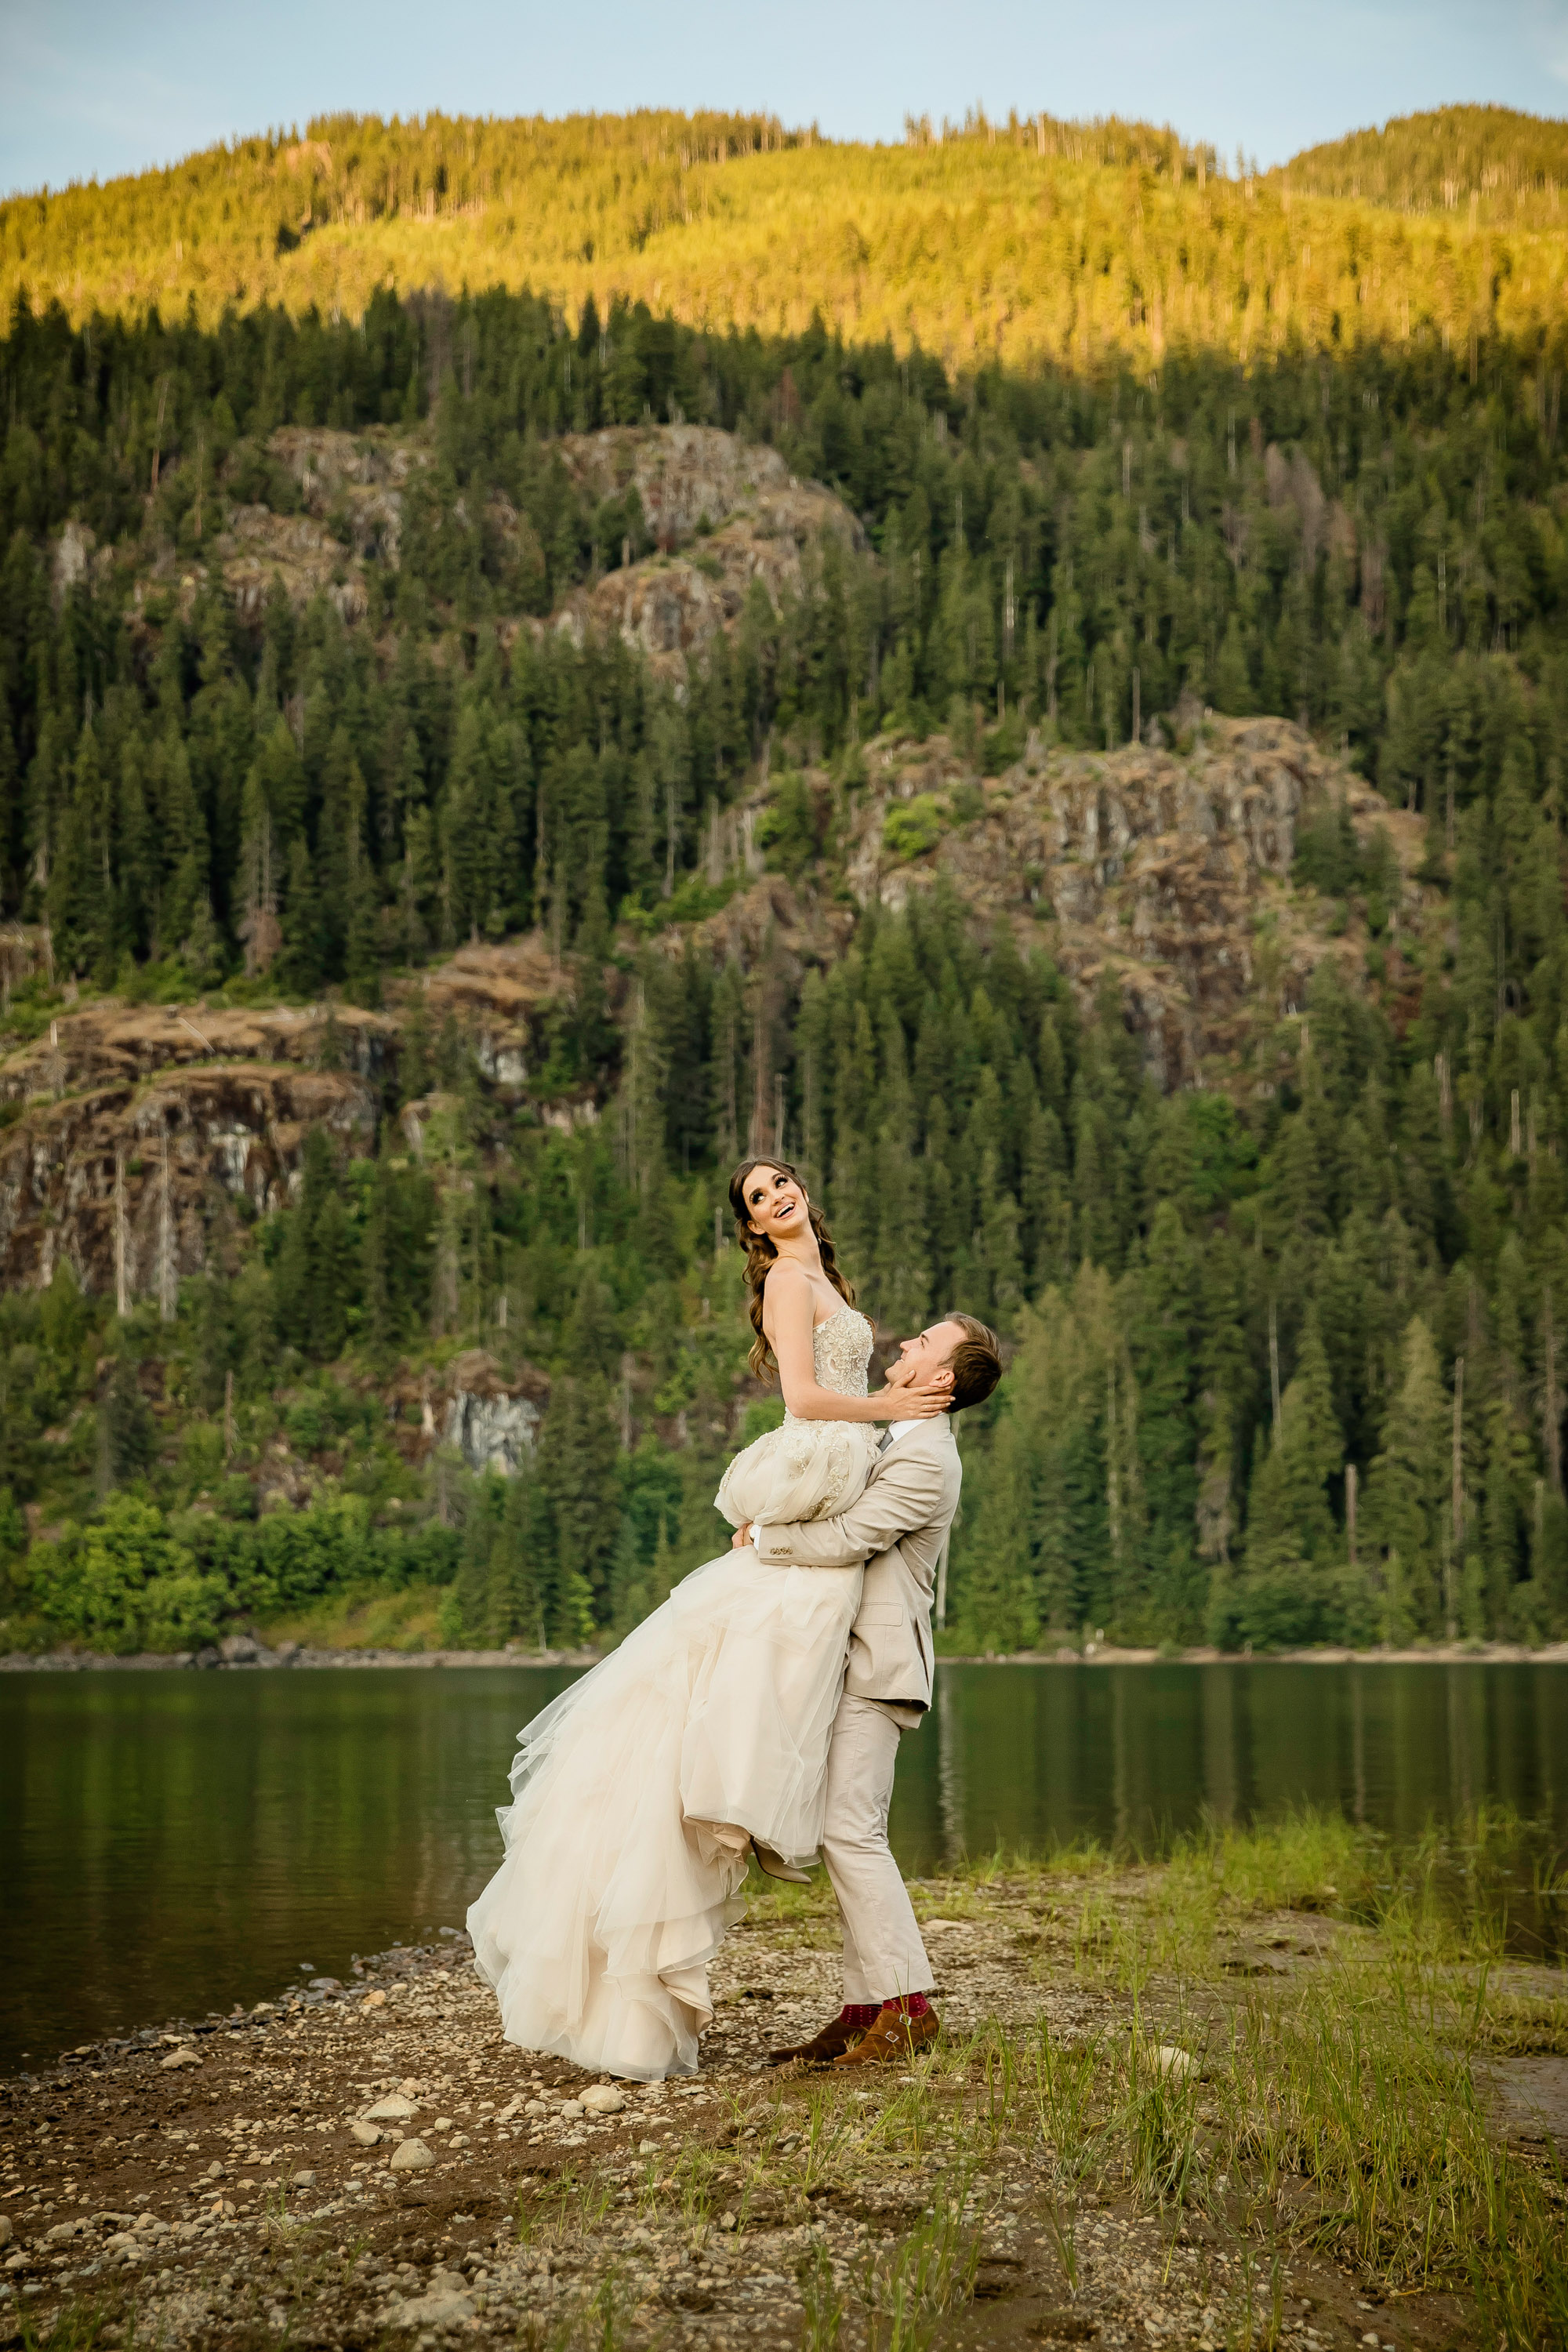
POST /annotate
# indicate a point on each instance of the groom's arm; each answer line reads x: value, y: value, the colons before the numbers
x: 902, y: 1493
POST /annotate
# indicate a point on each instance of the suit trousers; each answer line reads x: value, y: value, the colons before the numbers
x: 883, y: 1953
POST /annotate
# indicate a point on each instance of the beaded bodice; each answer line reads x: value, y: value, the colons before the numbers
x: 841, y: 1352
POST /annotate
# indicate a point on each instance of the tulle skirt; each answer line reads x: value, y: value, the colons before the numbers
x: 635, y: 1793
x: 802, y: 1470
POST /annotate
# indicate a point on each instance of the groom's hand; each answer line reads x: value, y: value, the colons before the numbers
x: 744, y: 1534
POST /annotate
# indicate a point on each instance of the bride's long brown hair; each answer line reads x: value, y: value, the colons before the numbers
x: 760, y: 1253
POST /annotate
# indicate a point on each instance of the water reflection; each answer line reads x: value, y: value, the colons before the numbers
x: 173, y: 1843
x: 1030, y: 1756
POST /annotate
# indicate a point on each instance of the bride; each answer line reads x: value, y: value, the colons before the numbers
x: 640, y: 1793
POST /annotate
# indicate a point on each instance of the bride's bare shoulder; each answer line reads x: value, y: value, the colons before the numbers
x: 784, y: 1284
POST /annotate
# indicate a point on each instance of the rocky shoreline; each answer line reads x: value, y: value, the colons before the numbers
x: 243, y: 1651
x: 369, y: 2162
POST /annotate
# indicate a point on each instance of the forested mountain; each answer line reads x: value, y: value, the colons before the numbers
x: 1114, y: 841
x: 1489, y: 164
x: 1079, y: 244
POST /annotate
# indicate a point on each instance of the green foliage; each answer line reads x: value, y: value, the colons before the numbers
x: 1090, y: 238
x: 124, y: 1582
x: 1499, y: 165
x: 788, y: 830
x: 911, y: 827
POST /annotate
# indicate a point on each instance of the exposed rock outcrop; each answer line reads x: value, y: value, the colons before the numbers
x: 110, y: 1041
x: 120, y: 1179
x: 352, y: 486
x: 1155, y: 866
x: 492, y: 1422
x: 748, y: 519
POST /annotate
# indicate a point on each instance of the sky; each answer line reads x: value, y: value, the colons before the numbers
x: 94, y: 88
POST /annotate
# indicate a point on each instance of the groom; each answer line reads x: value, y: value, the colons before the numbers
x: 899, y: 1528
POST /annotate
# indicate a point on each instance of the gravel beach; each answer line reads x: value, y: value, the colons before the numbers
x: 369, y: 2163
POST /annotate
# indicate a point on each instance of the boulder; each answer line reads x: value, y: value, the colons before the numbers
x: 411, y: 2155
x: 394, y: 2109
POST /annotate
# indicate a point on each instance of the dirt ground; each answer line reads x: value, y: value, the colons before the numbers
x: 231, y: 2182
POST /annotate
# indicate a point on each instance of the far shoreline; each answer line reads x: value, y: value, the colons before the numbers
x: 241, y: 1653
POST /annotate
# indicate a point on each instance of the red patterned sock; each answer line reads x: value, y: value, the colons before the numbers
x: 860, y: 2016
x: 909, y: 2004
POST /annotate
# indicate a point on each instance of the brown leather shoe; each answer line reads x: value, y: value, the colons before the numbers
x: 821, y: 2049
x: 892, y: 2041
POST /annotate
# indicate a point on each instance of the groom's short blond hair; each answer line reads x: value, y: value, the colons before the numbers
x: 975, y: 1363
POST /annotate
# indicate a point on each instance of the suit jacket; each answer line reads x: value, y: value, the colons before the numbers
x: 899, y: 1528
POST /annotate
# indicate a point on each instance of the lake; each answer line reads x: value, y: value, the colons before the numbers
x: 173, y: 1843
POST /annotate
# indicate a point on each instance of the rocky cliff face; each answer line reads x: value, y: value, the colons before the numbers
x: 123, y: 1129
x: 1167, y: 872
x: 725, y: 514
x: 1171, y: 872
x: 744, y: 517
x: 129, y: 1124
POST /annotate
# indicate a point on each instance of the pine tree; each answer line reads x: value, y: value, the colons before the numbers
x: 518, y: 1563
x: 1162, y: 1315
x: 577, y: 1473
x: 1407, y: 1491
x: 1291, y: 1591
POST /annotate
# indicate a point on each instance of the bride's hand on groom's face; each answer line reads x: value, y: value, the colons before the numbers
x: 922, y: 1395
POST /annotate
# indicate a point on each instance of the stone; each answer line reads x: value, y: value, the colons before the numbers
x: 376, y: 1999
x: 603, y: 2099
x: 648, y: 2147
x: 571, y: 2111
x: 411, y: 2155
x: 178, y: 2058
x: 1177, y: 2063
x: 305, y: 2179
x: 7, y: 2229
x: 442, y: 2307
x: 394, y: 2110
x: 367, y: 2134
x: 492, y: 1431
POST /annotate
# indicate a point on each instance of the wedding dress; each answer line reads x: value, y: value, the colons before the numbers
x: 636, y: 1790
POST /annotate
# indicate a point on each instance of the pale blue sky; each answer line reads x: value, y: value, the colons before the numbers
x: 98, y: 87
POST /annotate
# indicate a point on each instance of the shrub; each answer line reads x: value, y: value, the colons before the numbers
x: 122, y: 1582
x: 912, y: 827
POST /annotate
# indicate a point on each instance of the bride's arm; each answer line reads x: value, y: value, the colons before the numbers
x: 788, y: 1314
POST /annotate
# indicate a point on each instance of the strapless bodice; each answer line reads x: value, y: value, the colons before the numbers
x: 841, y: 1352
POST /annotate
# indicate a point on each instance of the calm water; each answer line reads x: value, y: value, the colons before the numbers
x: 174, y: 1843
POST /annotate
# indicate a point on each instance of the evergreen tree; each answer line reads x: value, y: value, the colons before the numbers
x: 1407, y: 1491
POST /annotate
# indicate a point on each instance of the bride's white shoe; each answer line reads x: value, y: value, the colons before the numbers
x: 774, y: 1865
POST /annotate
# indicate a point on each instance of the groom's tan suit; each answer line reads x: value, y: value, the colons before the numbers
x: 899, y: 1528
